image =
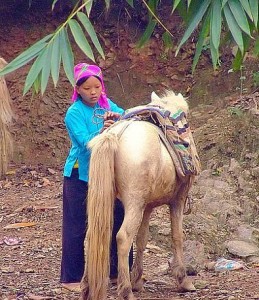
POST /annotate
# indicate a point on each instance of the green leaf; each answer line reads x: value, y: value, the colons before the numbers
x: 35, y: 70
x: 223, y: 3
x: 167, y: 39
x: 36, y: 84
x: 107, y: 2
x: 25, y: 56
x: 202, y: 36
x: 80, y: 39
x: 194, y: 22
x: 182, y: 11
x: 53, y: 4
x: 215, y: 25
x: 234, y: 28
x: 176, y: 3
x: 256, y: 47
x: 147, y: 33
x: 247, y: 8
x: 55, y: 59
x: 67, y: 55
x: 239, y: 15
x: 214, y: 55
x: 88, y: 6
x: 45, y: 72
x: 255, y: 10
x: 130, y: 2
x: 90, y: 30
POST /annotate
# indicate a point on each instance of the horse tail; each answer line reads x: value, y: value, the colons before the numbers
x: 100, y: 205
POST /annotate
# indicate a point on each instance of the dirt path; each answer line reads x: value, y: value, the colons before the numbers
x: 30, y: 269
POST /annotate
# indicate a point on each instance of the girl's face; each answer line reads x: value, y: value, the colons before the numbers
x: 90, y: 91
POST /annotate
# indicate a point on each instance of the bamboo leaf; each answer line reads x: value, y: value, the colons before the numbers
x: 53, y: 4
x: 237, y: 62
x: 35, y: 70
x: 90, y: 30
x: 152, y: 5
x: 247, y: 8
x: 234, y: 28
x: 176, y: 2
x: 55, y: 59
x: 147, y: 33
x: 197, y: 17
x: 256, y: 47
x: 240, y: 16
x: 26, y: 56
x: 107, y: 2
x: 214, y: 55
x: 36, y: 84
x: 202, y: 36
x: 223, y: 3
x: 215, y: 25
x: 167, y: 39
x: 255, y: 11
x: 45, y: 72
x: 130, y: 2
x: 67, y: 55
x: 80, y: 39
x: 88, y: 6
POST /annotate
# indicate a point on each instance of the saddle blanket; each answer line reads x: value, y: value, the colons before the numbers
x: 175, y: 133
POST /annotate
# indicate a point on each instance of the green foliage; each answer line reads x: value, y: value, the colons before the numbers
x: 256, y: 79
x: 55, y: 49
x: 235, y: 111
x: 214, y: 20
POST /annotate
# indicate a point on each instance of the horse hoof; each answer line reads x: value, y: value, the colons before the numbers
x: 129, y: 297
x: 138, y: 286
x: 84, y: 294
x: 186, y: 286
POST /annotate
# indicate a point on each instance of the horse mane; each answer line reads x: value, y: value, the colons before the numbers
x: 169, y: 98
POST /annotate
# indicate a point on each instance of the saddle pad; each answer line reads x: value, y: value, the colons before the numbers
x: 174, y: 131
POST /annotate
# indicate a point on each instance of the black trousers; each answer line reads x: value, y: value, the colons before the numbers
x: 74, y: 230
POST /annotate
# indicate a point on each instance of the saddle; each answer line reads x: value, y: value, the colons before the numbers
x: 174, y: 132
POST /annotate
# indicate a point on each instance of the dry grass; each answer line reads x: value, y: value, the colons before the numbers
x: 6, y: 116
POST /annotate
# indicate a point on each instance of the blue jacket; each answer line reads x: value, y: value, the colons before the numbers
x: 82, y: 126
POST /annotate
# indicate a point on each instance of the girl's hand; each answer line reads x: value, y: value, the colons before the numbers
x: 109, y: 115
x: 107, y: 124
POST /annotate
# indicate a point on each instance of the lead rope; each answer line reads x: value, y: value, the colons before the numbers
x: 99, y: 115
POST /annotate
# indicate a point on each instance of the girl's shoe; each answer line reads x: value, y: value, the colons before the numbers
x: 72, y: 287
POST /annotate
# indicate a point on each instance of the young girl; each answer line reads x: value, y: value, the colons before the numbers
x: 83, y: 123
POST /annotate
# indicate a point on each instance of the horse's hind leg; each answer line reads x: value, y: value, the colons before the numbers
x: 141, y: 242
x: 178, y: 268
x: 128, y: 230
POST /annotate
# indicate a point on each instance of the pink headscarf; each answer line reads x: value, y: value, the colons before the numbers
x: 84, y: 70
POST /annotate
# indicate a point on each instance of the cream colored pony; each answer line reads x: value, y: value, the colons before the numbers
x: 131, y: 163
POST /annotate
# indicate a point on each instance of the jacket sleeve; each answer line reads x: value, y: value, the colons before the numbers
x: 77, y: 128
x: 115, y: 108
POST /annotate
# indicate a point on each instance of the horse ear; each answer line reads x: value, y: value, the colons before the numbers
x: 154, y: 97
x: 3, y: 63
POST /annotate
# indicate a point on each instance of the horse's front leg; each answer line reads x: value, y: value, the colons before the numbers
x: 178, y: 268
x: 128, y: 230
x: 141, y: 242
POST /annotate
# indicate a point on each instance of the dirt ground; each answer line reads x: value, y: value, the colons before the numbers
x: 32, y: 190
x: 29, y: 269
